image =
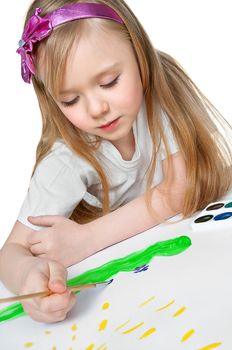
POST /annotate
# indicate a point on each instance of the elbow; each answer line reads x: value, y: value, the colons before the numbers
x: 178, y: 195
x: 173, y: 194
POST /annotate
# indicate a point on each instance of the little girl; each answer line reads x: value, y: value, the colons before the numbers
x: 127, y: 142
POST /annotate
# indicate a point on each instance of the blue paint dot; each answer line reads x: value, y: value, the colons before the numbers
x: 223, y: 216
x: 141, y: 268
x: 110, y: 281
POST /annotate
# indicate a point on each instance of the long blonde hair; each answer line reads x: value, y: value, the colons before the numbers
x: 200, y: 130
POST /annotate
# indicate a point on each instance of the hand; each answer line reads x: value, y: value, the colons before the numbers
x: 47, y: 275
x: 63, y: 240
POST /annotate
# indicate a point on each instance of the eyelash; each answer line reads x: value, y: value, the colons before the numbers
x: 112, y: 83
x: 70, y: 103
x: 106, y: 86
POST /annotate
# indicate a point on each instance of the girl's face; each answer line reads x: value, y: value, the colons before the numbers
x: 102, y: 89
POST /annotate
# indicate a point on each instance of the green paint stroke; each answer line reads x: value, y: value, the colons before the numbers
x: 102, y: 273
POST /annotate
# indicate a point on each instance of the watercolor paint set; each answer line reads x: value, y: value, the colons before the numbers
x: 217, y: 215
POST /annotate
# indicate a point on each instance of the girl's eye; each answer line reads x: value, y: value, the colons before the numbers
x: 70, y: 103
x: 105, y: 86
x: 112, y: 83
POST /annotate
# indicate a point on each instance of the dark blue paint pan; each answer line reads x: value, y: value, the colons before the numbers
x: 215, y: 216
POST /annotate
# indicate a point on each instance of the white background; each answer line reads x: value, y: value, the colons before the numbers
x: 197, y: 33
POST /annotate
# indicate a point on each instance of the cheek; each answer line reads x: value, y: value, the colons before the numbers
x: 76, y: 119
x: 132, y: 99
x: 132, y: 90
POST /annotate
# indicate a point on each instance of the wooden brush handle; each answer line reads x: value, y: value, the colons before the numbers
x: 47, y: 293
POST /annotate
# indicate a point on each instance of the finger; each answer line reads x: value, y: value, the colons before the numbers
x: 34, y: 237
x: 50, y: 309
x: 43, y: 256
x: 72, y: 301
x: 51, y: 303
x: 57, y: 302
x: 44, y: 220
x: 58, y: 277
x: 31, y: 304
x: 40, y: 316
x: 37, y: 249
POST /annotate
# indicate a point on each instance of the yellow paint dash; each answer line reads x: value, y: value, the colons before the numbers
x: 148, y: 333
x: 102, y: 347
x: 211, y: 346
x: 29, y: 344
x: 147, y: 301
x: 105, y: 306
x: 133, y: 328
x: 166, y: 306
x: 90, y: 347
x: 54, y: 348
x: 122, y: 325
x: 179, y: 312
x: 47, y: 332
x: 74, y: 327
x: 102, y: 325
x: 188, y: 335
x: 70, y: 348
x: 74, y: 337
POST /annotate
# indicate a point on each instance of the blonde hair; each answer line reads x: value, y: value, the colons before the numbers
x: 199, y: 128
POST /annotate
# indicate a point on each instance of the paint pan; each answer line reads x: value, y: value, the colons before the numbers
x: 216, y: 215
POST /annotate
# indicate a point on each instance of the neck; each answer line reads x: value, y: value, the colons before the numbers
x: 126, y: 146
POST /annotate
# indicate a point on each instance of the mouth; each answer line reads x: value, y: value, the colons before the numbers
x: 110, y: 125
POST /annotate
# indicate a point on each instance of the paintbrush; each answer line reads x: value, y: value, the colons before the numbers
x: 48, y: 292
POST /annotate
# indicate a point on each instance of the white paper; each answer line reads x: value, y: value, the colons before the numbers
x: 197, y: 281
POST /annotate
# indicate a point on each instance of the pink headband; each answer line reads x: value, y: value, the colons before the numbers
x: 38, y: 28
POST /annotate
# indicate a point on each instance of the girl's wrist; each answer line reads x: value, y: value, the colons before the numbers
x: 93, y: 238
x: 84, y: 244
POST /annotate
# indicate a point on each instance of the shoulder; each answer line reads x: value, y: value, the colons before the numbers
x: 61, y: 160
x: 62, y: 154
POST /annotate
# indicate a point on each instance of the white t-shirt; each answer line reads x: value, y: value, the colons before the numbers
x: 62, y: 179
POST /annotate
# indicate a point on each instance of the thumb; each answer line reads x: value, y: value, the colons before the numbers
x: 58, y: 277
x: 43, y: 220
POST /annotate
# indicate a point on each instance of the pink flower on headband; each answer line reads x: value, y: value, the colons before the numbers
x: 37, y: 28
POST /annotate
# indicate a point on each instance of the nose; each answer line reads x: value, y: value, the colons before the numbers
x: 97, y: 107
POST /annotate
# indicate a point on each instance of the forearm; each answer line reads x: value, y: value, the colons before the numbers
x: 15, y: 260
x: 134, y: 217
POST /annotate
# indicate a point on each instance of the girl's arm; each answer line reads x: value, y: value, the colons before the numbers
x: 23, y: 273
x: 134, y: 217
x: 15, y: 257
x: 67, y: 242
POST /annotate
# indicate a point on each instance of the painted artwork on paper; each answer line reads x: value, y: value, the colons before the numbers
x: 154, y: 299
x: 136, y: 262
